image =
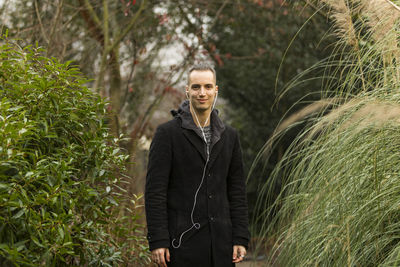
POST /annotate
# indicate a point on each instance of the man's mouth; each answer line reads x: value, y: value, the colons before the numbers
x: 202, y: 101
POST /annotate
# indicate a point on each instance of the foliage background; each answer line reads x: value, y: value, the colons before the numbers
x: 136, y: 54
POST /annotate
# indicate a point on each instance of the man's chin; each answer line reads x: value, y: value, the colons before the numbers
x: 202, y: 108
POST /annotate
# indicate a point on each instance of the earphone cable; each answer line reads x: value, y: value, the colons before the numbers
x: 196, y: 224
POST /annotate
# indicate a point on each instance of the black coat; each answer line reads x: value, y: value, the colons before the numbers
x: 176, y: 162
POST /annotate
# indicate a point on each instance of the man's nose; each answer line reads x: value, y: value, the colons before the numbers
x: 202, y: 90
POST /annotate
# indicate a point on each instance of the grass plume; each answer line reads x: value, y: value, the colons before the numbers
x: 340, y: 198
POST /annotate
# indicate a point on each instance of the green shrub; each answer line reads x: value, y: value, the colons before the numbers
x: 59, y: 168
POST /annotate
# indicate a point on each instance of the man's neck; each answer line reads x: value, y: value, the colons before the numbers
x: 202, y: 116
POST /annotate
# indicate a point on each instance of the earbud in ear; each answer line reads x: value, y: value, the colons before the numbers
x: 187, y: 94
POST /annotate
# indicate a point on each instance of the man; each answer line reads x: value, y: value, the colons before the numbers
x: 195, y: 197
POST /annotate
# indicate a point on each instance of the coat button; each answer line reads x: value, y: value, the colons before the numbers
x: 210, y: 196
x: 209, y: 175
x: 212, y: 218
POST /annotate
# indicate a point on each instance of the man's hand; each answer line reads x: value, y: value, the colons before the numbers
x: 160, y: 256
x: 238, y: 253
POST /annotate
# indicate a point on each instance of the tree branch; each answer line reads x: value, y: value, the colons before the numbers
x: 94, y: 28
x: 40, y: 22
x: 55, y: 23
x: 124, y: 99
x: 110, y: 48
x: 92, y: 13
x: 105, y: 24
x: 127, y: 29
x: 218, y: 14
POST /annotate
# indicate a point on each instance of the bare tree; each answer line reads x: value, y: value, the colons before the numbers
x: 122, y: 47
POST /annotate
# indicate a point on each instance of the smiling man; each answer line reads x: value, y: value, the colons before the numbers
x: 195, y: 196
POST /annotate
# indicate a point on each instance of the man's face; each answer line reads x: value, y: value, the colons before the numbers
x: 201, y: 90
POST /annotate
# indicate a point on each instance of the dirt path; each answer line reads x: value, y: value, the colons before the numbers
x: 250, y: 264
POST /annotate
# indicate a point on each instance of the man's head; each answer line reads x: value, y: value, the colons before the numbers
x: 202, y: 67
x: 201, y: 89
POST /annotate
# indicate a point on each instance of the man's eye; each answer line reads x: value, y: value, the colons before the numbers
x: 209, y: 86
x: 195, y: 87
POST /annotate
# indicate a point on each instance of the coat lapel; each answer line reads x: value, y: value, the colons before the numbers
x: 216, y: 149
x: 217, y: 139
x: 194, y: 135
x: 196, y: 142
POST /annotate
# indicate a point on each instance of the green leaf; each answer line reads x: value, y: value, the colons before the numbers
x: 61, y: 232
x: 36, y: 241
x: 19, y: 214
x: 4, y: 186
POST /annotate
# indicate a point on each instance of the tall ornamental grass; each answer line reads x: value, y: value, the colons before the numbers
x: 60, y: 170
x: 340, y: 198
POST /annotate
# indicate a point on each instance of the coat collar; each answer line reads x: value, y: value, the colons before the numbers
x: 217, y: 127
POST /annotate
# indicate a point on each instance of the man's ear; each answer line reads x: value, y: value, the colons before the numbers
x: 216, y: 89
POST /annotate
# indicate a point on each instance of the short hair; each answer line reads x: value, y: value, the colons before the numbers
x: 203, y: 66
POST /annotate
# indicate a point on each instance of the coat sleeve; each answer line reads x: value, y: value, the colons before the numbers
x: 237, y: 197
x: 157, y: 178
